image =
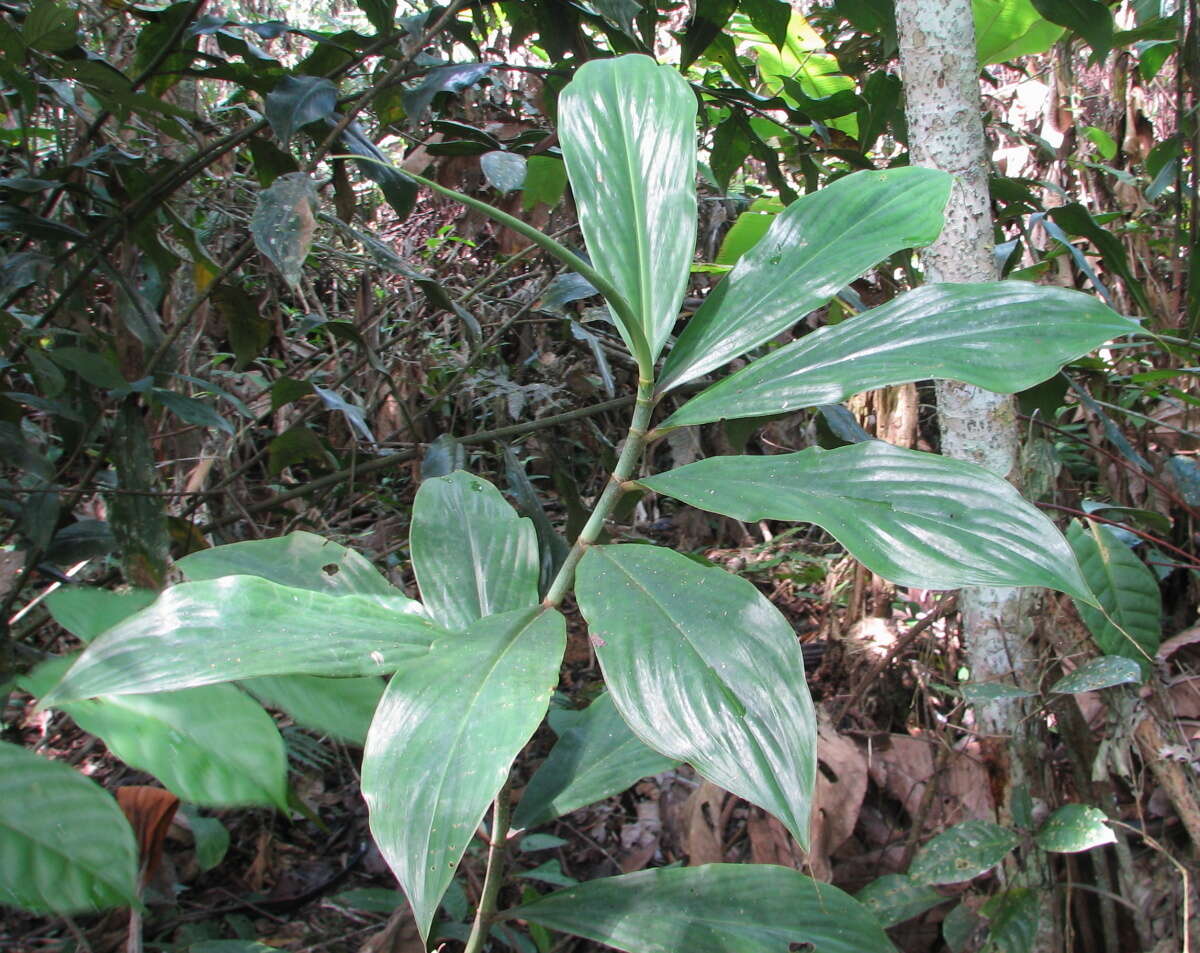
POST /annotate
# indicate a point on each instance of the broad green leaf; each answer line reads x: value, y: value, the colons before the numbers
x: 301, y: 560
x: 715, y: 908
x: 917, y: 519
x: 1130, y: 624
x: 962, y: 853
x: 628, y: 136
x: 894, y: 898
x: 1091, y: 19
x: 65, y: 846
x: 596, y: 757
x: 1003, y: 336
x: 284, y: 221
x: 1098, y: 673
x: 1074, y: 827
x: 211, y: 837
x: 473, y: 556
x: 1013, y: 917
x: 381, y: 14
x: 442, y: 79
x: 705, y: 670
x: 222, y: 630
x: 342, y: 707
x: 212, y: 745
x: 85, y: 613
x: 812, y: 250
x: 297, y: 101
x: 1007, y: 29
x: 445, y: 735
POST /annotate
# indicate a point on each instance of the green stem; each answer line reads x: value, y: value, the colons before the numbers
x: 495, y: 870
x: 635, y: 442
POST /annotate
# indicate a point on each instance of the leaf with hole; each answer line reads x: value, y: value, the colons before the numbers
x: 445, y: 735
x: 917, y: 519
x: 705, y: 670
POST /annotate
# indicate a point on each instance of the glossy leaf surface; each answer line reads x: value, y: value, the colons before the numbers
x: 962, y: 853
x: 222, y: 630
x: 917, y: 519
x: 1074, y: 827
x: 1003, y: 336
x: 595, y: 758
x: 715, y: 908
x: 212, y: 745
x: 1127, y: 590
x: 301, y: 560
x: 342, y: 707
x: 628, y: 136
x: 65, y: 846
x: 473, y: 556
x: 705, y: 670
x: 813, y: 249
x: 447, y: 730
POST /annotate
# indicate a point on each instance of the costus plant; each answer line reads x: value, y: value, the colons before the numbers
x: 699, y: 666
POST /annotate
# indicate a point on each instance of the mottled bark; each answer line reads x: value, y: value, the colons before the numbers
x: 945, y: 131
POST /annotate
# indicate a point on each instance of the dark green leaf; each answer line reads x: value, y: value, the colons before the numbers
x: 817, y: 246
x: 65, y: 846
x: 220, y: 630
x: 894, y: 898
x: 381, y: 14
x: 445, y: 735
x: 97, y: 369
x: 399, y: 190
x: 918, y: 519
x: 962, y: 853
x: 1074, y: 827
x: 50, y: 26
x: 473, y: 556
x: 191, y: 411
x: 706, y: 23
x: 249, y: 331
x: 297, y: 101
x: 1002, y: 336
x: 596, y: 757
x: 283, y: 223
x: 1091, y: 19
x: 297, y: 445
x: 716, y: 908
x: 769, y: 17
x: 628, y: 135
x: 705, y: 670
x: 442, y: 79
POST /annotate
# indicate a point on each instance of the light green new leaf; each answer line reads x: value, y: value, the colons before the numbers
x: 445, y: 735
x: 473, y: 556
x: 1075, y: 827
x: 962, y: 853
x: 812, y: 250
x: 65, y: 846
x: 1127, y: 590
x: 705, y: 670
x: 917, y: 519
x: 715, y: 908
x: 596, y: 757
x: 222, y: 630
x: 1007, y: 29
x: 1098, y: 673
x: 301, y: 560
x: 86, y: 612
x: 628, y: 133
x: 1003, y: 336
x: 211, y: 745
x: 342, y: 707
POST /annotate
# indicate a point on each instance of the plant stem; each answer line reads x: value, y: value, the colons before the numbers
x: 495, y: 870
x: 635, y: 442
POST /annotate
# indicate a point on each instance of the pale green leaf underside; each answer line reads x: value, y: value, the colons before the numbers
x: 301, y: 560
x: 86, y: 612
x: 596, y: 757
x: 235, y: 627
x: 813, y: 249
x: 342, y: 707
x: 1003, y: 336
x: 444, y: 737
x: 65, y: 846
x: 213, y: 745
x: 715, y: 908
x: 473, y: 556
x: 917, y: 519
x: 1127, y: 590
x: 628, y: 132
x: 704, y: 670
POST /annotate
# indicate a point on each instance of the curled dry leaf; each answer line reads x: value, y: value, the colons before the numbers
x: 149, y: 811
x: 701, y: 818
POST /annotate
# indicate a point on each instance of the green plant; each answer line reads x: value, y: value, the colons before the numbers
x: 698, y: 664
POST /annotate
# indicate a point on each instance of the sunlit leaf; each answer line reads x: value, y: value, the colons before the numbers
x: 446, y: 732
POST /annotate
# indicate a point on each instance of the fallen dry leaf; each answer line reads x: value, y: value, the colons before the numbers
x: 701, y: 821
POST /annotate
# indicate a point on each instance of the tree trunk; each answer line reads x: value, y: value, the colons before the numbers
x: 945, y: 131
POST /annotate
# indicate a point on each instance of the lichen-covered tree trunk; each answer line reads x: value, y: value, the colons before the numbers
x: 945, y: 131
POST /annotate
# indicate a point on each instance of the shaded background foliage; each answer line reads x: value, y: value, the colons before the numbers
x: 224, y: 318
